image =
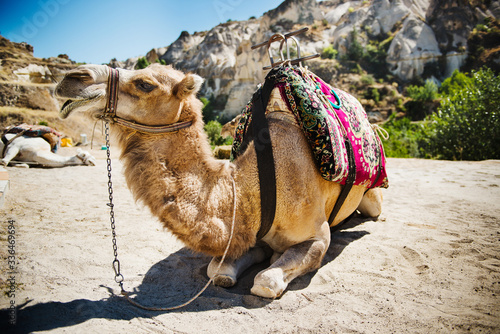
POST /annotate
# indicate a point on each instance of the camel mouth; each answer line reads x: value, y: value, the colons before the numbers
x: 72, y: 104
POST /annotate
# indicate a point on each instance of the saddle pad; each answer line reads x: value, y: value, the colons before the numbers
x: 326, y: 128
x: 47, y: 133
x: 32, y: 130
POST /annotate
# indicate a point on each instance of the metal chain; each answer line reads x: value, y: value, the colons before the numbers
x: 116, y: 263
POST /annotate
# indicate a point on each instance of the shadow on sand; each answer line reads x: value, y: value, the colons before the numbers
x: 158, y: 291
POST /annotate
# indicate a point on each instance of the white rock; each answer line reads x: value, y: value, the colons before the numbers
x: 413, y: 46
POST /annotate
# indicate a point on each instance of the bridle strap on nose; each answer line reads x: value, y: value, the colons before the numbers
x: 112, y: 102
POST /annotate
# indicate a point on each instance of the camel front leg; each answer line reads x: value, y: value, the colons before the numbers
x: 11, y: 152
x: 49, y: 159
x: 232, y: 269
x: 295, y: 261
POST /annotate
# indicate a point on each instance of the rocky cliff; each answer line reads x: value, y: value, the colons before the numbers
x: 415, y: 37
x: 395, y: 41
x: 27, y: 81
x: 27, y: 86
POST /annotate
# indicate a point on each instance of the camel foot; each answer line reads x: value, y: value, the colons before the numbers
x: 227, y: 275
x: 224, y: 281
x: 269, y: 283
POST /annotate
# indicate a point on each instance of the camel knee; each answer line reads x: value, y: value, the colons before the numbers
x: 10, y: 154
x: 228, y: 273
x: 269, y: 283
x: 371, y: 203
x: 294, y: 262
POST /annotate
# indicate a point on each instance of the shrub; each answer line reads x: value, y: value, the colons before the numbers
x: 142, y: 63
x: 427, y: 92
x: 329, y: 53
x: 367, y: 79
x: 355, y: 51
x: 467, y: 124
x: 372, y: 94
x: 213, y: 129
x: 404, y: 137
x: 422, y: 103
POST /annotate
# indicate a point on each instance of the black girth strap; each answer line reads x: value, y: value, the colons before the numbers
x: 265, y: 159
x: 259, y: 128
x: 351, y: 177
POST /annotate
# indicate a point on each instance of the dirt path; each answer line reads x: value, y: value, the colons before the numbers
x: 430, y: 264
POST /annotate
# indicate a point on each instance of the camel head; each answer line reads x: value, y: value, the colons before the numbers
x: 155, y: 95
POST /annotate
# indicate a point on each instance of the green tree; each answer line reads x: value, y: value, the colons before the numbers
x: 208, y: 111
x: 142, y: 63
x: 355, y: 51
x: 213, y: 129
x: 367, y: 79
x: 457, y: 81
x: 467, y: 124
x: 422, y: 97
x: 329, y: 53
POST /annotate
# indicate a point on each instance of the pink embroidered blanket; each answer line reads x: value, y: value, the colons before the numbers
x: 328, y: 117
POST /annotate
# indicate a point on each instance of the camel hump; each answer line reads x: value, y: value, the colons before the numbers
x: 328, y: 117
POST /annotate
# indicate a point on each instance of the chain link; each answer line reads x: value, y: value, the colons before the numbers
x: 116, y: 263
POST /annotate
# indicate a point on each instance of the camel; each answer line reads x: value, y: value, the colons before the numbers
x: 37, y: 150
x: 191, y: 192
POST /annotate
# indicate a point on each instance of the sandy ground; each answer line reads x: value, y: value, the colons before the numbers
x: 430, y: 264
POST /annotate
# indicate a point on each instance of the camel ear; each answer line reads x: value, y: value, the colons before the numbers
x: 191, y: 84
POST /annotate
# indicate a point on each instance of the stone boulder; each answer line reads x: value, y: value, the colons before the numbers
x: 412, y: 48
x: 39, y: 97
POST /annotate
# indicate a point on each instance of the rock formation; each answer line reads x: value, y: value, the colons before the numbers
x: 415, y: 38
x: 423, y: 34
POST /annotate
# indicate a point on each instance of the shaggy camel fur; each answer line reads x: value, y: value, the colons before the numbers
x: 37, y: 150
x: 190, y: 191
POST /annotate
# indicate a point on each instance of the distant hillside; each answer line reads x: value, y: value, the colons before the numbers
x: 27, y: 85
x: 397, y: 42
x: 373, y: 49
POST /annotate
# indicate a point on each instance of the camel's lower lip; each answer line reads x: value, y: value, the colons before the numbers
x: 71, y: 104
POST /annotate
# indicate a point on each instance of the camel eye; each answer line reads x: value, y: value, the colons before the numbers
x: 145, y: 86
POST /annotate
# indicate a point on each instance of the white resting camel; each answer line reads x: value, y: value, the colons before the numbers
x: 191, y: 192
x: 26, y: 149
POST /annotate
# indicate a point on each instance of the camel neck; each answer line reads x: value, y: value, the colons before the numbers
x: 177, y: 177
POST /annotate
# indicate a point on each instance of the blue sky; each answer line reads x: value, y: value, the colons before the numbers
x: 94, y: 31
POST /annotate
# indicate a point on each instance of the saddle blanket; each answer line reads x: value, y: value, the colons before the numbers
x: 328, y: 117
x: 47, y: 133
